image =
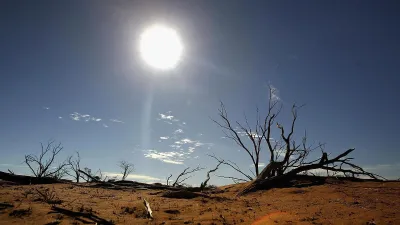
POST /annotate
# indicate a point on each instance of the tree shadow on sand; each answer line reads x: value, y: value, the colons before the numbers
x: 86, y: 218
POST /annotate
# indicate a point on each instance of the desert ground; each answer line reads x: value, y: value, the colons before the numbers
x: 335, y: 202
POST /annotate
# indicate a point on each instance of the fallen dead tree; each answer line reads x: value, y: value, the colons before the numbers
x: 177, y: 191
x: 284, y: 179
x: 124, y: 184
x: 287, y: 158
x: 25, y: 180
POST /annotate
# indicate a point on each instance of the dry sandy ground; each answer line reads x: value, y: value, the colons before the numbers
x: 332, y: 203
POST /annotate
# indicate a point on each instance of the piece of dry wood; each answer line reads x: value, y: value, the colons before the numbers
x: 148, y: 209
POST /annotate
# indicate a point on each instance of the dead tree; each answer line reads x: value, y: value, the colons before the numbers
x: 179, y: 179
x: 257, y: 135
x: 336, y: 164
x: 286, y: 156
x: 75, y: 166
x: 126, y: 167
x: 203, y: 184
x: 42, y: 165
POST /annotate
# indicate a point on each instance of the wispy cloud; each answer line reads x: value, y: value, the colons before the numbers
x: 60, y: 117
x: 178, y: 131
x: 105, y: 125
x: 182, y: 150
x: 136, y: 177
x: 170, y: 119
x: 167, y: 157
x: 254, y: 135
x: 182, y: 146
x: 166, y: 117
x: 184, y: 141
x: 193, y: 143
x: 274, y: 93
x: 46, y: 108
x: 259, y: 165
x: 191, y: 149
x: 83, y: 117
x: 177, y: 147
x: 116, y: 121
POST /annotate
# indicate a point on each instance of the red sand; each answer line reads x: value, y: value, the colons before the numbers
x: 335, y: 203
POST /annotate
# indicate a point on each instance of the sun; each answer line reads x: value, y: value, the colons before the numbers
x: 161, y: 47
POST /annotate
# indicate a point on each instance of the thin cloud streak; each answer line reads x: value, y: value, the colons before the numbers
x: 274, y: 93
x: 116, y: 121
x: 167, y: 157
x: 178, y: 131
x: 170, y: 119
x: 83, y: 117
x: 136, y: 177
x: 166, y: 117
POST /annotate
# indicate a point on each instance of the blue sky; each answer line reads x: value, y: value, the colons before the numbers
x: 71, y: 71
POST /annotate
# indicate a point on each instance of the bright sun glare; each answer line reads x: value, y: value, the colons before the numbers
x: 160, y: 47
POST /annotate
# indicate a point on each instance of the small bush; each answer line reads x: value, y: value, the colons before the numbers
x: 48, y: 196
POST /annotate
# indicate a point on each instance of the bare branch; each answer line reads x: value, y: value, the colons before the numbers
x: 233, y: 166
x: 168, y: 178
x: 89, y: 176
x: 184, y: 173
x: 204, y: 183
x: 45, y: 161
x: 234, y: 179
x: 75, y: 166
x: 254, y: 136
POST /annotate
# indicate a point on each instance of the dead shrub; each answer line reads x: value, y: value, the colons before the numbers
x: 48, y: 196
